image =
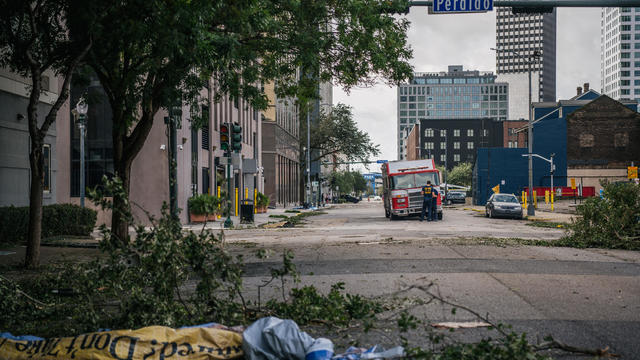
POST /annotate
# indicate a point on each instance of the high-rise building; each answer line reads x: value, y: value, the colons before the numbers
x: 620, y: 53
x: 518, y: 37
x: 454, y: 94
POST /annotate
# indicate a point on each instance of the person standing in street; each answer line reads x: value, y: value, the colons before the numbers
x: 434, y: 204
x: 427, y: 199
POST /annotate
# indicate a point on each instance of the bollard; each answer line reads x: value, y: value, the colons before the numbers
x: 255, y: 199
x: 246, y: 193
x: 525, y: 200
x: 552, y: 196
x: 535, y: 199
x: 218, y: 215
x: 236, y: 212
x: 546, y: 196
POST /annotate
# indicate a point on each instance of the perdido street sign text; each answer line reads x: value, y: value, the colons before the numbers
x: 453, y: 6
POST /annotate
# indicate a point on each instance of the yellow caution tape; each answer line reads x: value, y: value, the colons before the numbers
x: 153, y: 342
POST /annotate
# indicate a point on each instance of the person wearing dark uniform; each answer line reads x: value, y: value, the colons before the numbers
x: 427, y: 199
x: 434, y: 205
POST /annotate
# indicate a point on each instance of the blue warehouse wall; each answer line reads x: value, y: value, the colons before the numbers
x: 549, y: 137
x: 492, y: 166
x: 495, y: 165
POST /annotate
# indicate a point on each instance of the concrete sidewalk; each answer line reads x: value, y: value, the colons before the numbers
x: 258, y: 219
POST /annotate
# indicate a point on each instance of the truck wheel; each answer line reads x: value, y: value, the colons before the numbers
x: 386, y: 213
x: 392, y: 217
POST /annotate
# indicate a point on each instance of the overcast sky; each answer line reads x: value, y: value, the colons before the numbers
x: 465, y: 39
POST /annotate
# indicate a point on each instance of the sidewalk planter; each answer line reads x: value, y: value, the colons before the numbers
x: 203, y: 208
x: 262, y: 201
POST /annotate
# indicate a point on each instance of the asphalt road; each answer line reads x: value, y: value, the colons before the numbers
x: 584, y: 297
x: 588, y: 298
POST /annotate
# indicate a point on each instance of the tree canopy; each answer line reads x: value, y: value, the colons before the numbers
x: 461, y: 174
x: 153, y: 54
x: 34, y: 39
x: 336, y: 133
x: 345, y: 182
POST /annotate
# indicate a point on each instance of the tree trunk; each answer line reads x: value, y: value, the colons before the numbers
x: 32, y: 258
x: 120, y: 216
x: 125, y: 150
x: 121, y: 213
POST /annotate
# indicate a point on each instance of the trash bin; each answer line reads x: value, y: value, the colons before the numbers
x: 246, y: 211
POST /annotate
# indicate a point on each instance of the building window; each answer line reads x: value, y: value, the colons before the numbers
x: 205, y: 137
x: 194, y: 161
x: 429, y: 146
x: 456, y: 132
x: 470, y: 132
x: 428, y: 132
x: 443, y: 158
x: 46, y: 168
x: 586, y: 140
x: 443, y: 133
x: 621, y: 140
x: 443, y: 145
x: 206, y: 185
x: 515, y: 144
x: 456, y: 145
x: 470, y: 145
x: 98, y: 140
x: 485, y: 132
x: 456, y: 157
x: 510, y: 144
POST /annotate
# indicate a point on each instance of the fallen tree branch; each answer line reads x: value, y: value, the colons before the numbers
x: 558, y: 345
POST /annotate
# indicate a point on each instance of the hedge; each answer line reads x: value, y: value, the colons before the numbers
x: 57, y: 220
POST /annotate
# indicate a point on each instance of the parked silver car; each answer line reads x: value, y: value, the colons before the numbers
x: 503, y: 205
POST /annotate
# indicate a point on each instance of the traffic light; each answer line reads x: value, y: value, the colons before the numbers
x: 236, y: 137
x: 224, y: 138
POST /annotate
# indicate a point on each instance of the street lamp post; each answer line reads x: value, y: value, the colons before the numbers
x: 530, y: 61
x: 82, y: 108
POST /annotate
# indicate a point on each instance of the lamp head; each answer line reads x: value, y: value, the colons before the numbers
x: 82, y: 107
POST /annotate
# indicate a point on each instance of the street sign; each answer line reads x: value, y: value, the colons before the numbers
x: 458, y: 6
x: 382, y: 161
x: 632, y: 172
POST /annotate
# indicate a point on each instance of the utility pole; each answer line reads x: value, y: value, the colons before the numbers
x: 308, y: 159
x: 530, y: 61
x: 530, y: 209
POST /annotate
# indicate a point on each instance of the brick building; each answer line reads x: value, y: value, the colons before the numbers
x: 602, y: 140
x: 413, y: 143
x: 512, y: 137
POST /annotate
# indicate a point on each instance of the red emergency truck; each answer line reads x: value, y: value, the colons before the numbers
x: 402, y: 183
